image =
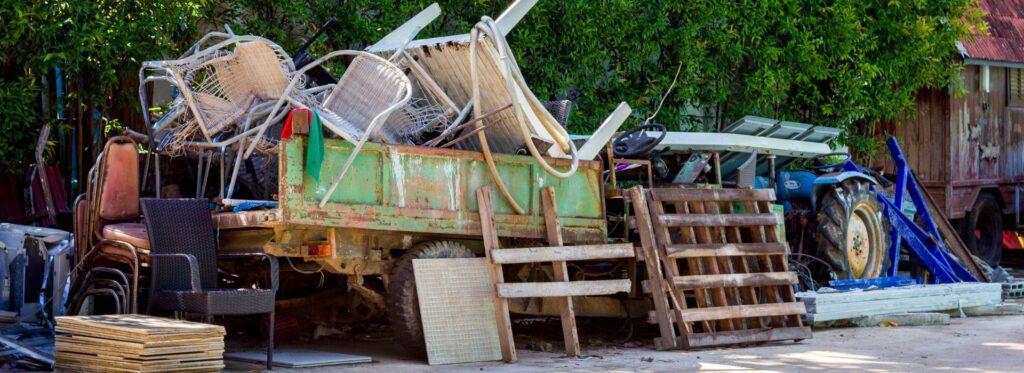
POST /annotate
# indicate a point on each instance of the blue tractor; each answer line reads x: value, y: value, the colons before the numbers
x: 834, y: 204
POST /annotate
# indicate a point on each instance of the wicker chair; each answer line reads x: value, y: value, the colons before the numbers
x: 184, y: 266
x: 357, y: 107
x: 220, y: 86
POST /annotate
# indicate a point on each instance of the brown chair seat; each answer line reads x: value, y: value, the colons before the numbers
x: 133, y: 233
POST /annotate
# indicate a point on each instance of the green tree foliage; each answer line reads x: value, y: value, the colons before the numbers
x: 846, y: 63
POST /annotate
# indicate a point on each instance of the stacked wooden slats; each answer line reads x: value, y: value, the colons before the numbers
x: 716, y: 267
x: 137, y: 343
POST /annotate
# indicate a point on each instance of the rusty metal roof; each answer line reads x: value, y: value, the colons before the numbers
x: 1005, y: 41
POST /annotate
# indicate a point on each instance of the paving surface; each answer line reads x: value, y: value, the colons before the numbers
x: 979, y: 344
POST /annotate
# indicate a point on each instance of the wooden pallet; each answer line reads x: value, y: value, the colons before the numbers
x: 556, y: 254
x: 136, y: 343
x: 716, y: 267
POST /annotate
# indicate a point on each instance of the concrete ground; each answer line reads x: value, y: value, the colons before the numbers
x: 977, y: 344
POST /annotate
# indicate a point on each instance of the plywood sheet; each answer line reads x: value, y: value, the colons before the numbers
x: 456, y: 308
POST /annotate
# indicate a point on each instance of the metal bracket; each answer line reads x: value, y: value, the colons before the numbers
x: 924, y: 241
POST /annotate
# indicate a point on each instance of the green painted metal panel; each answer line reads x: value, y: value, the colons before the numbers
x: 433, y: 191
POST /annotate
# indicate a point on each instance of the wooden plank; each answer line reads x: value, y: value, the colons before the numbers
x: 652, y: 264
x: 710, y: 265
x: 719, y: 220
x: 747, y: 294
x: 743, y: 311
x: 725, y: 249
x: 562, y: 289
x: 490, y: 236
x: 686, y: 234
x: 734, y: 280
x: 731, y: 195
x: 765, y: 263
x: 748, y: 336
x: 561, y: 271
x: 949, y: 235
x: 562, y: 253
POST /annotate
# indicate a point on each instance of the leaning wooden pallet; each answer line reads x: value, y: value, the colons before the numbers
x: 716, y: 267
x: 136, y: 343
x: 557, y: 255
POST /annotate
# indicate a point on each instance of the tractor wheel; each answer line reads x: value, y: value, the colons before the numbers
x: 983, y: 231
x: 402, y: 302
x: 853, y: 235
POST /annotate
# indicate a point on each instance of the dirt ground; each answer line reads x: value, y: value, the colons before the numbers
x: 978, y: 344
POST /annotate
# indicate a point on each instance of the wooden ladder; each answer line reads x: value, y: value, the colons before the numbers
x: 557, y: 254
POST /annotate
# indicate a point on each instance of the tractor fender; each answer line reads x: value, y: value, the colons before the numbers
x: 822, y: 183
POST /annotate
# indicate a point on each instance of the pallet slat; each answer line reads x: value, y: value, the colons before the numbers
x: 562, y: 253
x: 733, y: 280
x: 678, y: 251
x: 719, y: 220
x: 742, y: 311
x: 748, y: 336
x: 562, y: 289
x: 730, y: 195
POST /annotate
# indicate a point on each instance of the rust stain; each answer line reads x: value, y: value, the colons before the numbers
x: 1005, y: 41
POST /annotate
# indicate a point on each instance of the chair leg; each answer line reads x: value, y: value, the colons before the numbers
x: 270, y: 343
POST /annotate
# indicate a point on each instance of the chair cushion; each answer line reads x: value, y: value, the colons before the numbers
x: 119, y: 197
x: 216, y: 301
x: 133, y: 233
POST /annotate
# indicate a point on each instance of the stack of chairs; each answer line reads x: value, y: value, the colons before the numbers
x: 112, y: 246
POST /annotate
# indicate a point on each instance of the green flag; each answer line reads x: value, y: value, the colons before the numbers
x: 315, y: 150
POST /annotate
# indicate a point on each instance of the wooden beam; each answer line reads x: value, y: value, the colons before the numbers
x: 731, y: 195
x: 678, y: 251
x: 734, y: 280
x: 566, y: 311
x: 490, y: 235
x: 652, y: 263
x: 563, y: 253
x: 562, y: 289
x: 719, y: 220
x: 743, y: 311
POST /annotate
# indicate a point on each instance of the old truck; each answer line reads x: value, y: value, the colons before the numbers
x: 970, y: 156
x: 400, y: 203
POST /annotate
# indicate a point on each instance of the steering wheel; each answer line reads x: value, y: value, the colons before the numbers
x: 820, y: 164
x: 635, y: 142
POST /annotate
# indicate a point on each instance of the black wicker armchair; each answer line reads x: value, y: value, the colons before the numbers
x: 184, y: 266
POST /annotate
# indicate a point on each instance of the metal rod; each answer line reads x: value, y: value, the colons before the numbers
x: 463, y: 126
x: 467, y: 135
x: 27, y: 351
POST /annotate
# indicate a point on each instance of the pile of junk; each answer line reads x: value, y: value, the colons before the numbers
x: 222, y: 125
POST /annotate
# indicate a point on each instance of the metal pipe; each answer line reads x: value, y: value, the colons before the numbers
x: 27, y: 351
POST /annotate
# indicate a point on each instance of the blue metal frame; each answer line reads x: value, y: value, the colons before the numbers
x: 924, y: 241
x: 863, y: 283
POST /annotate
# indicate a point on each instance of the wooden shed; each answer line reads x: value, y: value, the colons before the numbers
x: 962, y: 145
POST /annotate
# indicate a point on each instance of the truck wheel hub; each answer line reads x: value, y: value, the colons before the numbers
x: 858, y: 241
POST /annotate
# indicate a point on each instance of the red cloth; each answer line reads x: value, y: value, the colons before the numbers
x: 286, y: 132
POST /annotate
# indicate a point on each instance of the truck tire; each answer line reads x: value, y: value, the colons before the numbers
x: 402, y: 302
x: 983, y: 229
x: 853, y: 234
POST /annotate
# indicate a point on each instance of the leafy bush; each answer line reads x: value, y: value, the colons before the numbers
x: 844, y: 64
